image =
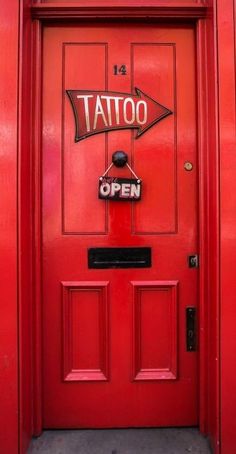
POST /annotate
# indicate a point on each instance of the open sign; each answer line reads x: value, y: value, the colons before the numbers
x: 122, y: 189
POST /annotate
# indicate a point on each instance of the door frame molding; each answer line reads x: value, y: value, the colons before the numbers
x: 120, y: 9
x: 208, y: 175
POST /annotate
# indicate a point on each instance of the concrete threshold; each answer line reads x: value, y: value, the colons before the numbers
x: 121, y: 441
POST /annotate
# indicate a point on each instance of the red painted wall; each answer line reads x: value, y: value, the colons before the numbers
x: 8, y: 226
x: 227, y: 142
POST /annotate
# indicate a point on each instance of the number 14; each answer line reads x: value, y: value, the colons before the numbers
x: 120, y: 70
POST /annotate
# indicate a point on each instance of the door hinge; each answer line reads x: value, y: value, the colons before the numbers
x: 193, y: 261
x: 191, y: 329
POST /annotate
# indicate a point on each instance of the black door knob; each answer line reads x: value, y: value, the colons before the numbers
x: 119, y: 158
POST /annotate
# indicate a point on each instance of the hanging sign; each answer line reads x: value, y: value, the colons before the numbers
x: 101, y: 111
x: 114, y: 188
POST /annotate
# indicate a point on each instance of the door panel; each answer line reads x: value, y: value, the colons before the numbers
x: 155, y: 330
x: 114, y: 340
x: 154, y: 66
x: 85, y: 331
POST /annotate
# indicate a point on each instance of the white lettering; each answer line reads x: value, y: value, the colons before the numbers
x: 99, y: 111
x: 110, y: 110
x: 120, y: 190
x: 86, y: 109
x: 115, y: 187
x: 144, y: 120
x: 135, y: 191
x: 108, y: 100
x: 105, y: 189
x: 126, y: 101
x: 117, y: 100
x: 125, y: 190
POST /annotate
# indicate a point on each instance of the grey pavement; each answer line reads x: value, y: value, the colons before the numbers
x: 121, y: 441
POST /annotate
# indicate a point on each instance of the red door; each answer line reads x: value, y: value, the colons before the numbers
x: 114, y: 339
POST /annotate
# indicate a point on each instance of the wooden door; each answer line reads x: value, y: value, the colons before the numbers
x: 114, y: 339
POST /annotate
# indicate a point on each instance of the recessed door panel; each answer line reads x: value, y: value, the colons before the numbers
x: 75, y: 73
x: 114, y: 319
x: 157, y: 213
x: 155, y: 330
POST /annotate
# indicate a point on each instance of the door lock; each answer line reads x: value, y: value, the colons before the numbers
x: 193, y: 261
x: 191, y: 338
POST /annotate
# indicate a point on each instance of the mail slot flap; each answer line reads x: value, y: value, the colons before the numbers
x: 116, y: 257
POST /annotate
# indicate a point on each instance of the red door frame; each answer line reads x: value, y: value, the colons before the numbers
x: 8, y: 239
x: 215, y: 27
x: 45, y: 12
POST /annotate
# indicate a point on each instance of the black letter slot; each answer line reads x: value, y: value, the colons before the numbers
x: 119, y: 257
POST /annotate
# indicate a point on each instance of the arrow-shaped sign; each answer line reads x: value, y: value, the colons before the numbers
x: 100, y: 111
